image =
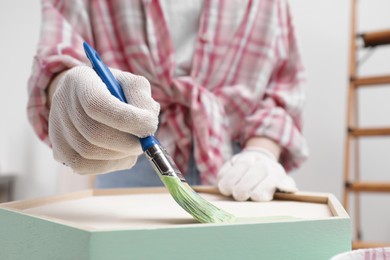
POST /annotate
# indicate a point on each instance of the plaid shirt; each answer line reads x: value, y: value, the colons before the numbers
x: 246, y: 78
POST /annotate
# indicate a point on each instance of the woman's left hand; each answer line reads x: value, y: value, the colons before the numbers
x: 254, y: 174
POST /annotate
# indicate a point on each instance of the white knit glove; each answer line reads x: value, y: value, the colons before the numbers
x: 91, y: 130
x: 254, y: 174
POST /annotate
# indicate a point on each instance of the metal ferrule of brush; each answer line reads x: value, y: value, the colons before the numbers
x: 162, y: 162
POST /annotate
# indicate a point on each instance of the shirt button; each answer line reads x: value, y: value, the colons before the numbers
x: 205, y: 37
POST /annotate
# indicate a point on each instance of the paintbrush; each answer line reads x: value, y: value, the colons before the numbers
x: 165, y: 167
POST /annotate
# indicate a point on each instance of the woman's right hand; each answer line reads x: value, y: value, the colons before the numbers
x: 91, y: 130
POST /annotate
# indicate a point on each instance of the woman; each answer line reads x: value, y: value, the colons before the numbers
x: 222, y: 73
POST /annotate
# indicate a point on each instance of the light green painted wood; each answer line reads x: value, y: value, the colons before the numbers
x: 25, y: 237
x: 289, y: 240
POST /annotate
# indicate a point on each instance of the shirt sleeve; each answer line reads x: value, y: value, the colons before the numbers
x: 65, y: 26
x: 278, y: 115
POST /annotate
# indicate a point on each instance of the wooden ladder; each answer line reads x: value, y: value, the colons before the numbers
x: 353, y: 184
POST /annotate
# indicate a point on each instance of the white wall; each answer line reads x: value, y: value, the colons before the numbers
x: 21, y: 152
x: 322, y: 28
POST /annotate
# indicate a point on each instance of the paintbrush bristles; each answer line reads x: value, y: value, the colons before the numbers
x: 193, y: 203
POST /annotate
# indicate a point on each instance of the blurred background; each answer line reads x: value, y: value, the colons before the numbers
x: 323, y: 34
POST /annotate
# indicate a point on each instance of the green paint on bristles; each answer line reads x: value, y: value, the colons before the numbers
x: 193, y: 203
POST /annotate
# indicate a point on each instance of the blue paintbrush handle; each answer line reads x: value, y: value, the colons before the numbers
x: 104, y: 73
x: 113, y: 86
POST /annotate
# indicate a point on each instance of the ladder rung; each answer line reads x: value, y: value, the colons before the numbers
x: 365, y: 244
x: 368, y: 186
x: 376, y: 38
x: 369, y: 131
x: 376, y: 80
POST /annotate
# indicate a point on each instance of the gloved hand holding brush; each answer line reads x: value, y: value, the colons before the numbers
x: 254, y: 174
x: 91, y: 130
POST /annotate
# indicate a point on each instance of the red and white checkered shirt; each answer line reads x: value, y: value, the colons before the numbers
x: 246, y: 78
